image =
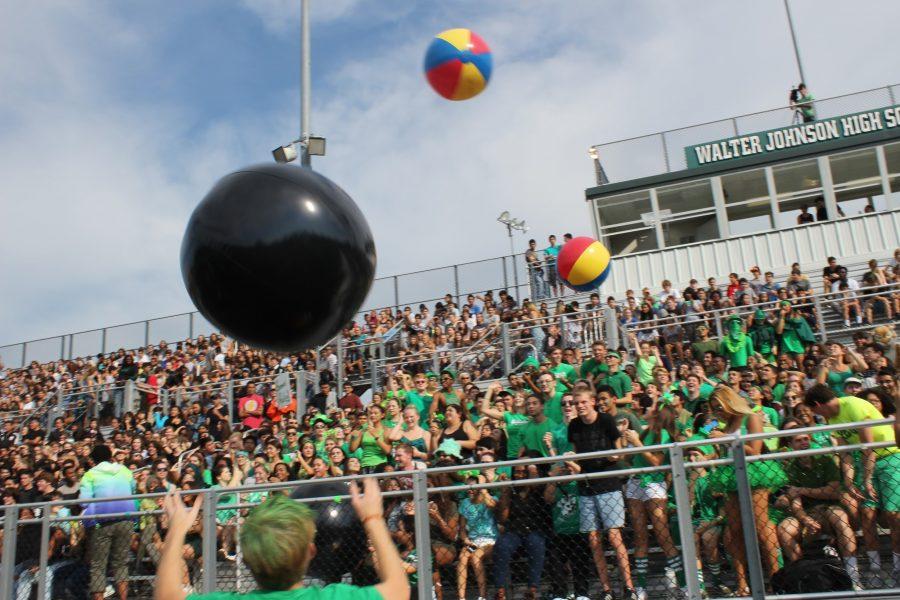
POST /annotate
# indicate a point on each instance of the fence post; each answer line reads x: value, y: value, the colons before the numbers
x: 62, y: 347
x: 8, y: 564
x: 130, y: 390
x: 718, y: 317
x: 373, y: 368
x: 339, y: 376
x: 611, y: 327
x: 512, y: 261
x: 24, y: 353
x: 562, y: 330
x: 685, y: 526
x: 456, y: 283
x: 505, y: 278
x: 300, y: 393
x: 230, y: 394
x: 71, y: 343
x: 745, y: 500
x: 45, y: 548
x: 423, y: 533
x: 506, y: 349
x: 208, y: 518
x: 820, y: 320
x: 146, y: 333
x: 396, y: 294
x: 191, y: 325
x: 103, y: 341
x: 665, y: 150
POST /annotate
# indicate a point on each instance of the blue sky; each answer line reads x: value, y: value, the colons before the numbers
x: 116, y: 117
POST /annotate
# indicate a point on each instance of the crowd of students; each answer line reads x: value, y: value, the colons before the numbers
x: 768, y: 372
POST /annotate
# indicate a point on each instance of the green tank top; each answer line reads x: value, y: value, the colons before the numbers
x: 640, y: 461
x: 836, y: 379
x: 372, y: 454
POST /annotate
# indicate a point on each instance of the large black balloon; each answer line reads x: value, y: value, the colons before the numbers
x: 278, y: 257
x: 340, y: 539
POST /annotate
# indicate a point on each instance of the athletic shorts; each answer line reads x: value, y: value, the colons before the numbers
x: 887, y: 482
x: 602, y: 511
x: 635, y: 489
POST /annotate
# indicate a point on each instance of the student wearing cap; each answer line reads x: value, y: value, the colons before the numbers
x: 616, y: 379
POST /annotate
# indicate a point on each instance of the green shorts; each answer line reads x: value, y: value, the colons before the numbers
x: 887, y: 482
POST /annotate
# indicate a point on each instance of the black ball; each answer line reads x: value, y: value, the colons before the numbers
x: 278, y: 257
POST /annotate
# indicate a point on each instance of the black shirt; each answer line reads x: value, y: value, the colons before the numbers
x: 528, y: 512
x: 593, y: 437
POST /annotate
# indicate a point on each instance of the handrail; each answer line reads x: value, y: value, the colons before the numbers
x: 741, y: 116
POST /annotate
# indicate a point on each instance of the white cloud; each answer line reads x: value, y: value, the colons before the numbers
x: 96, y: 188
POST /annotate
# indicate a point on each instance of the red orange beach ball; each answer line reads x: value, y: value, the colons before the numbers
x: 583, y: 264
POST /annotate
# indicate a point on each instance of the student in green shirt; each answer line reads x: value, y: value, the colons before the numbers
x: 736, y: 345
x: 536, y: 428
x: 567, y: 544
x: 277, y: 545
x: 513, y: 421
x: 703, y: 344
x: 595, y: 366
x: 647, y: 359
x: 565, y: 373
x: 419, y: 397
x: 616, y: 379
x: 551, y: 397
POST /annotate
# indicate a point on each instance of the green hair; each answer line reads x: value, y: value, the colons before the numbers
x: 275, y: 542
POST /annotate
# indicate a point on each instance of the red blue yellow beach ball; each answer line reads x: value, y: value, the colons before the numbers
x: 583, y: 264
x: 458, y: 64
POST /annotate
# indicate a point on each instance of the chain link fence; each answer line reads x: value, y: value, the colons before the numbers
x: 791, y: 510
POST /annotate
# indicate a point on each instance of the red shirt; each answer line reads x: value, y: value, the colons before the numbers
x: 732, y: 289
x: 253, y: 402
x: 351, y: 400
x: 153, y: 382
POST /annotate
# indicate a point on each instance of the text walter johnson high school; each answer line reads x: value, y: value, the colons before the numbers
x: 789, y: 137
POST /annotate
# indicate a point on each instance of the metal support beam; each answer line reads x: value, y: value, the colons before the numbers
x: 208, y: 517
x: 506, y: 349
x: 8, y: 564
x: 423, y: 532
x: 305, y: 83
x: 685, y: 526
x: 751, y: 541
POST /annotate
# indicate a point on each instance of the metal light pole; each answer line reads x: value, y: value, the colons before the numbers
x: 305, y: 83
x: 787, y: 9
x: 518, y: 225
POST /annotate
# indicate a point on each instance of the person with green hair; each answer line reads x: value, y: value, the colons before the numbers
x: 736, y: 346
x: 277, y: 545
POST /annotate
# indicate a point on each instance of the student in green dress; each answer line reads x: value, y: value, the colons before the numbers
x: 795, y: 332
x: 277, y: 547
x: 734, y: 414
x: 647, y: 496
x: 839, y: 366
x: 762, y: 334
x: 372, y: 439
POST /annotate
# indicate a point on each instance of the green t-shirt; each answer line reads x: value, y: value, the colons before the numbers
x: 566, y: 510
x: 618, y: 381
x: 335, y: 591
x: 855, y: 409
x: 698, y: 349
x: 567, y: 372
x: 644, y: 366
x: 553, y: 408
x: 822, y: 471
x: 532, y: 435
x: 640, y: 461
x: 593, y: 368
x: 422, y: 404
x: 514, y: 423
